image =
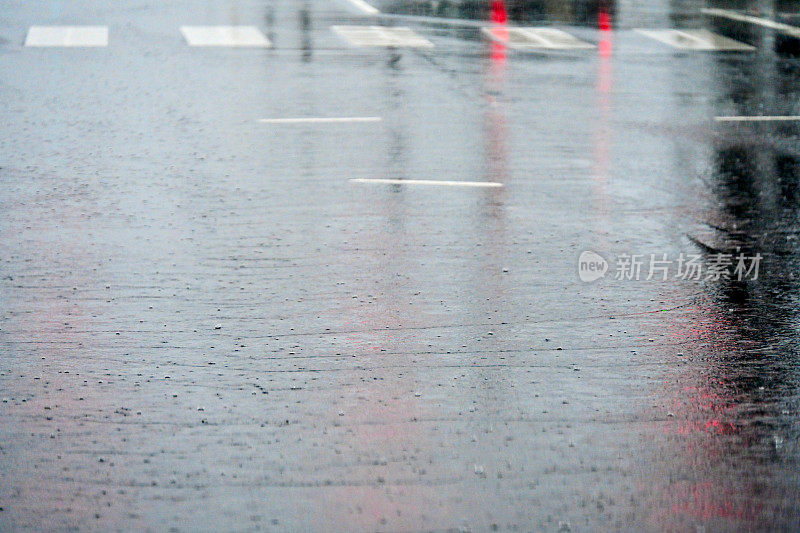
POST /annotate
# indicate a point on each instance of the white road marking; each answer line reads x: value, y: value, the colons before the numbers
x: 382, y: 36
x: 435, y: 21
x: 794, y: 31
x: 700, y: 40
x: 317, y: 120
x: 239, y: 36
x: 759, y: 118
x: 549, y: 38
x: 429, y: 182
x: 364, y: 7
x: 51, y: 36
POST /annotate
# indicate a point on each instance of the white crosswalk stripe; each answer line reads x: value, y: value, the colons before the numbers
x: 318, y: 120
x: 232, y: 36
x: 700, y: 40
x: 381, y: 36
x: 434, y: 183
x: 546, y: 38
x: 786, y: 29
x: 67, y: 36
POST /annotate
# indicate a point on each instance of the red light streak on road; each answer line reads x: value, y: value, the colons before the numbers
x: 603, y: 134
x: 708, y: 500
x: 497, y: 53
x: 604, y: 22
x: 497, y: 47
x: 605, y: 46
x: 499, y: 14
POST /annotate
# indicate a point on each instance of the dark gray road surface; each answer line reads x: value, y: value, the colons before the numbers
x: 206, y: 325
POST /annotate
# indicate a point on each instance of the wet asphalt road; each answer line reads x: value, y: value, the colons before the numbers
x: 206, y: 325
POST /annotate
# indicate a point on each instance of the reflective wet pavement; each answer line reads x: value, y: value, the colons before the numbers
x: 206, y: 325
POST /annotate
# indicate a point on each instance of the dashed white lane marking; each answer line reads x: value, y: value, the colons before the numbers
x: 549, y: 38
x: 700, y: 40
x: 364, y: 7
x: 51, y: 36
x: 317, y: 120
x: 491, y: 184
x: 759, y: 118
x: 240, y: 36
x: 794, y: 31
x: 381, y: 36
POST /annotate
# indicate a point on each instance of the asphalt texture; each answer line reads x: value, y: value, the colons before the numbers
x: 206, y: 324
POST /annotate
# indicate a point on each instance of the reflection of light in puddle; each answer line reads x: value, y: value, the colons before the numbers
x: 499, y: 34
x: 603, y: 133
